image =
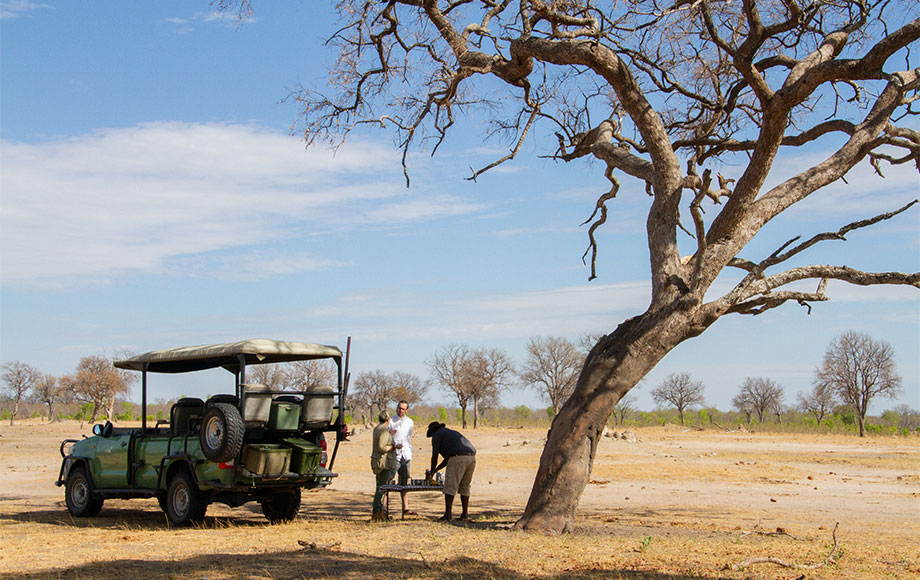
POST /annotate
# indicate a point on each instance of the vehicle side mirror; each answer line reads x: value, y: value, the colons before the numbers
x: 97, y: 430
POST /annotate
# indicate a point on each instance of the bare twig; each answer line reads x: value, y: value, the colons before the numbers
x: 424, y: 561
x: 831, y: 558
x: 778, y: 532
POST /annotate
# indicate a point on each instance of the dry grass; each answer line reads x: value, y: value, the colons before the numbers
x: 673, y: 506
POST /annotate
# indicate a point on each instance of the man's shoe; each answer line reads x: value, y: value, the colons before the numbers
x: 444, y: 518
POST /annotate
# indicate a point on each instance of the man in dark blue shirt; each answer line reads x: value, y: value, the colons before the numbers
x: 460, y: 458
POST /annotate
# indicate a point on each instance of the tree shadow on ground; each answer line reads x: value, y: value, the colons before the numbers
x: 322, y: 563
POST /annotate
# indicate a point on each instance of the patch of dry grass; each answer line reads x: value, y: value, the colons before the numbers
x: 714, y: 491
x: 134, y: 543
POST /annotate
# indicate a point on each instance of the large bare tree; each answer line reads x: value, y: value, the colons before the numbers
x: 298, y: 375
x: 552, y: 368
x: 759, y: 396
x: 666, y: 92
x: 19, y: 379
x: 474, y: 376
x: 374, y: 390
x: 450, y: 369
x: 98, y: 382
x: 679, y: 391
x: 489, y: 371
x: 818, y: 402
x: 48, y: 391
x: 859, y: 368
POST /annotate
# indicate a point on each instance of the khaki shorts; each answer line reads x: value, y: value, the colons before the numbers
x: 459, y: 474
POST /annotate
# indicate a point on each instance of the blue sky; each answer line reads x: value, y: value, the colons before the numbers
x: 151, y: 196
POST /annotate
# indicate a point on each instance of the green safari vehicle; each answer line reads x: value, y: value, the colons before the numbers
x: 255, y: 444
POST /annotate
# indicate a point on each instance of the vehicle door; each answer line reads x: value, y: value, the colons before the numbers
x: 110, y: 464
x: 151, y: 448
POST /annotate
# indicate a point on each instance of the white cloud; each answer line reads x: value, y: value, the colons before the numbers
x: 19, y: 9
x: 566, y: 311
x: 131, y: 199
x: 864, y: 194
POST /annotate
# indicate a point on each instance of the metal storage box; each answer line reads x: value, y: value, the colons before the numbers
x: 317, y: 407
x: 266, y: 459
x: 304, y: 456
x: 284, y: 416
x: 257, y: 403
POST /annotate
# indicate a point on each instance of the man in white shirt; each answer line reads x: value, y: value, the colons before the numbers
x: 401, y: 427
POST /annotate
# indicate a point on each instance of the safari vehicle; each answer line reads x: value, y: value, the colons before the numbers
x: 253, y: 445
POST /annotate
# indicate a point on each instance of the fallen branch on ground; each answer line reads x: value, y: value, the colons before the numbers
x: 778, y: 532
x: 314, y: 546
x: 831, y: 558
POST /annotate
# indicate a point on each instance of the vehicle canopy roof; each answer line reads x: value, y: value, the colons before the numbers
x: 227, y: 355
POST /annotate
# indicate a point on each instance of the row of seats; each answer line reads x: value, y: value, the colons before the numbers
x: 186, y: 414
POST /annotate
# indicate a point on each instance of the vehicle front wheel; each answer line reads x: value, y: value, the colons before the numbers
x: 78, y: 495
x: 282, y: 507
x: 185, y: 503
x: 221, y: 432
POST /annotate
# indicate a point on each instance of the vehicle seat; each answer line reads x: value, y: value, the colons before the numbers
x: 232, y: 399
x: 185, y: 415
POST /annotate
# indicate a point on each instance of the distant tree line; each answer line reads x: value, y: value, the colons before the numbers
x: 856, y: 370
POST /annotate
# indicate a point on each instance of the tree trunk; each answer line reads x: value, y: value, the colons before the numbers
x: 614, y: 366
x: 463, y: 415
x: 475, y: 412
x: 863, y: 411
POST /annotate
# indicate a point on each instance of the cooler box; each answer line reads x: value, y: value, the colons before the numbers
x: 304, y: 456
x: 317, y: 407
x: 284, y: 416
x: 257, y: 405
x: 266, y: 460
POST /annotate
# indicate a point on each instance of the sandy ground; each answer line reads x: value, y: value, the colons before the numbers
x: 670, y: 483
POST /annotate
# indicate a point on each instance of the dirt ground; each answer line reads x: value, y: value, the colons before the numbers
x: 674, y: 504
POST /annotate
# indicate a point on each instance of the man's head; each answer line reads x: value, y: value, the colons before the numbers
x: 432, y: 427
x: 383, y: 416
x: 401, y: 409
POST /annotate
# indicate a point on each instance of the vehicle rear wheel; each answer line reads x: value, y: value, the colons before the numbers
x: 78, y: 495
x: 221, y: 433
x: 185, y: 503
x: 282, y: 507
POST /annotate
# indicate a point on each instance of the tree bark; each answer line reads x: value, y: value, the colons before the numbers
x: 614, y: 366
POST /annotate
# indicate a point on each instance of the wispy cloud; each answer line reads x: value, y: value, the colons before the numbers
x: 136, y: 199
x: 565, y: 311
x: 19, y: 8
x: 184, y: 25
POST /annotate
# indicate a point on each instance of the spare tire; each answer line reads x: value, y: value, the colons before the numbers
x: 221, y: 432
